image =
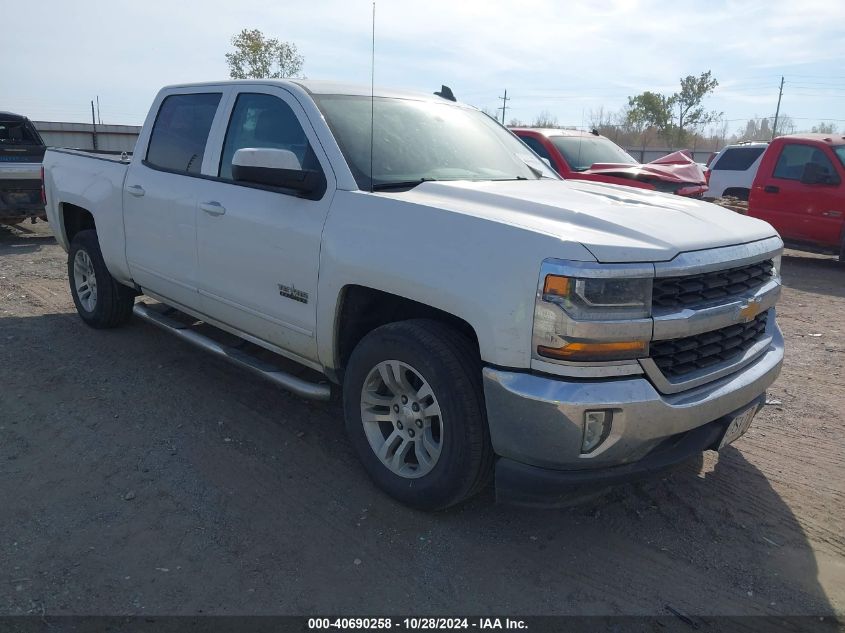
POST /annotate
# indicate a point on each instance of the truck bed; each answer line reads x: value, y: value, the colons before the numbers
x: 93, y: 181
x: 99, y: 154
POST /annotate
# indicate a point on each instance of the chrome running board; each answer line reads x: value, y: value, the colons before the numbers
x: 303, y: 388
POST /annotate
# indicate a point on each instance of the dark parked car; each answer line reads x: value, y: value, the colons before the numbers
x: 21, y: 152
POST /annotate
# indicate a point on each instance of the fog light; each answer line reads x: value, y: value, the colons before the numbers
x: 596, y: 428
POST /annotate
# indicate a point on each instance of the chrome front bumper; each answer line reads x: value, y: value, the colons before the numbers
x: 538, y: 420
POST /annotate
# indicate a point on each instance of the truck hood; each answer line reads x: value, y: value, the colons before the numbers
x: 675, y: 168
x: 615, y: 223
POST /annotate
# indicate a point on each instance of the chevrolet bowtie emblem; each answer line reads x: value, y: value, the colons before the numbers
x: 751, y: 310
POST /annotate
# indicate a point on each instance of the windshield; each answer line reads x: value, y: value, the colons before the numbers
x: 582, y: 152
x: 839, y: 150
x: 423, y: 140
x: 18, y: 133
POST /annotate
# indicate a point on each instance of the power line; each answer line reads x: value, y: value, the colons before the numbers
x: 504, y: 107
x: 777, y: 111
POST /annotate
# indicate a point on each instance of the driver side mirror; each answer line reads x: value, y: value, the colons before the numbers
x: 273, y: 168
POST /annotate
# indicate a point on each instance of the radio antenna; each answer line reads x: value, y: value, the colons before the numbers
x: 372, y: 97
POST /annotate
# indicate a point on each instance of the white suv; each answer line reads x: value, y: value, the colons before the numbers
x: 733, y: 169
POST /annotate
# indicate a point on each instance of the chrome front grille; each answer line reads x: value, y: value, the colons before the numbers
x: 673, y: 293
x: 677, y: 358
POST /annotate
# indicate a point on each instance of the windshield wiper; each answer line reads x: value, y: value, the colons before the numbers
x: 401, y: 184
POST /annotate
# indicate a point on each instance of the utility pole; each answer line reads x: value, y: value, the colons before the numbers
x: 94, y: 124
x: 504, y: 107
x: 777, y: 112
x: 99, y: 120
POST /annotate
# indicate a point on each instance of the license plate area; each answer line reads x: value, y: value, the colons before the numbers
x: 739, y: 425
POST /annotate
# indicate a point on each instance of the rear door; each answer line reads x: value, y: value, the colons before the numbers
x: 160, y: 196
x: 803, y: 212
x: 259, y: 247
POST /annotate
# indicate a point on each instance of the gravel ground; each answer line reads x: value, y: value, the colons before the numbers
x: 141, y: 476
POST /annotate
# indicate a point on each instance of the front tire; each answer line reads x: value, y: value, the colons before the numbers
x: 415, y: 414
x: 99, y: 299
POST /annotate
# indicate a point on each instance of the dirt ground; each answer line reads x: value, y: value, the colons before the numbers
x: 141, y: 476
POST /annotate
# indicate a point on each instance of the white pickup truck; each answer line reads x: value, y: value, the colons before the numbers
x: 478, y: 313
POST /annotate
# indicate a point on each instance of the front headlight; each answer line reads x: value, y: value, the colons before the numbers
x: 566, y: 304
x: 599, y: 299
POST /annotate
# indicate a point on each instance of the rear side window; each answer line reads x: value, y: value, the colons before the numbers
x: 181, y: 130
x: 738, y: 158
x: 261, y: 120
x: 794, y: 157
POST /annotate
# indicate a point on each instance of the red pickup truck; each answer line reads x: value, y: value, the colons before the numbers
x: 583, y: 155
x: 799, y: 190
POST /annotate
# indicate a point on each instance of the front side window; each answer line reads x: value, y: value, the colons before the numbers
x: 794, y: 158
x: 537, y: 146
x: 417, y: 140
x: 738, y: 158
x: 261, y: 120
x: 180, y: 132
x: 582, y: 152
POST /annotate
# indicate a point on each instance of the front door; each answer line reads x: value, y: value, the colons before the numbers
x: 259, y: 247
x: 799, y: 211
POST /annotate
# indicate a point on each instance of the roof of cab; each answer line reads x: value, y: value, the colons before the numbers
x: 322, y: 87
x: 552, y: 131
x: 830, y: 139
x: 11, y: 116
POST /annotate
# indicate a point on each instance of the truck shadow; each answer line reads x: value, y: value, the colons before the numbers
x: 236, y: 484
x: 813, y: 273
x: 19, y: 240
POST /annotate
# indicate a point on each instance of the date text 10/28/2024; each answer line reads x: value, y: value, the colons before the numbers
x: 430, y: 624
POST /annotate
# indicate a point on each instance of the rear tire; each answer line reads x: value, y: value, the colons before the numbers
x: 427, y: 419
x: 99, y: 299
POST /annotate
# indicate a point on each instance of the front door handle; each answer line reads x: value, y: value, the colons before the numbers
x: 832, y: 214
x: 213, y: 207
x: 135, y: 190
x: 771, y: 189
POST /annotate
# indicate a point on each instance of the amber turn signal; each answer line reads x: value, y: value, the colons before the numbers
x: 557, y: 286
x: 596, y: 351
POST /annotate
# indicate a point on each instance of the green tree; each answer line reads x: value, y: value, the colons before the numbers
x: 655, y: 110
x: 650, y: 110
x: 691, y: 114
x: 258, y: 57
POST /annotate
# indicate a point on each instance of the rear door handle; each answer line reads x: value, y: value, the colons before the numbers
x: 832, y: 214
x: 212, y: 207
x: 771, y: 189
x: 135, y: 190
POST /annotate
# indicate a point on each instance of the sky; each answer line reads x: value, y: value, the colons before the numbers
x: 566, y: 58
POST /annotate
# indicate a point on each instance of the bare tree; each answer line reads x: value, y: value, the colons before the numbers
x: 545, y: 119
x: 824, y: 128
x: 258, y: 57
